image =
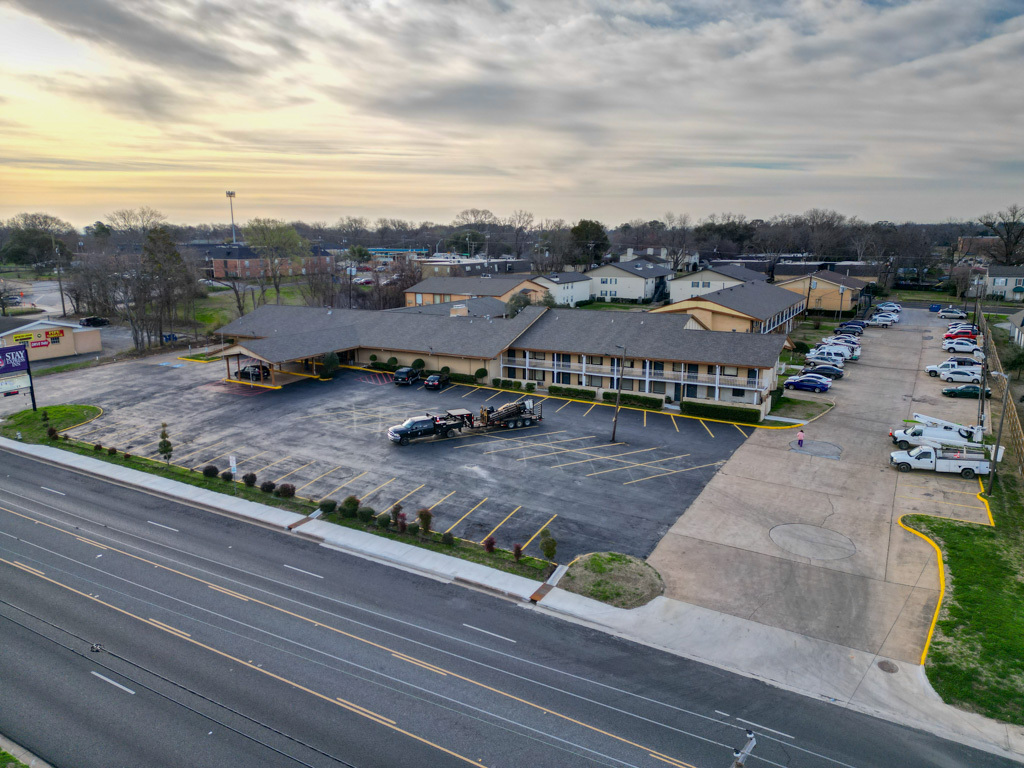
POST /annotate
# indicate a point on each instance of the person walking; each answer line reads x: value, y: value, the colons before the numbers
x: 800, y: 439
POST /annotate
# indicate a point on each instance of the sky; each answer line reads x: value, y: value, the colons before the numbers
x: 899, y: 110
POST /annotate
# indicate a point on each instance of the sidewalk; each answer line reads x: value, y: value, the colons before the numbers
x: 789, y: 660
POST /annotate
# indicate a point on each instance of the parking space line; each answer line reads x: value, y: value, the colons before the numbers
x: 499, y: 437
x: 571, y: 450
x: 199, y: 450
x: 282, y: 477
x: 219, y: 455
x: 706, y: 427
x: 674, y: 424
x: 431, y: 507
x: 936, y: 501
x: 325, y: 474
x: 538, y: 531
x: 562, y: 406
x: 589, y: 409
x: 466, y: 515
x: 632, y: 465
x: 154, y: 442
x: 363, y: 497
x: 264, y: 469
x: 500, y: 524
x: 673, y: 472
x: 250, y: 458
x: 106, y: 425
x: 943, y: 490
x: 741, y: 431
x: 475, y: 389
x: 335, y: 490
x: 539, y: 445
x: 410, y: 493
x: 499, y: 392
x: 602, y: 458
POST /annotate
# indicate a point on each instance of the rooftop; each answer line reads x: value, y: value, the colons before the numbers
x: 756, y: 299
x: 468, y: 286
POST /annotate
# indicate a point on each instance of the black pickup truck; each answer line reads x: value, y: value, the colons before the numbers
x: 522, y: 413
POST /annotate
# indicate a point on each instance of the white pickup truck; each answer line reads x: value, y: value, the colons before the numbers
x: 966, y: 463
x: 924, y: 435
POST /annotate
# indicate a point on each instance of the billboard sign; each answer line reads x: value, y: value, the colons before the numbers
x: 13, y: 360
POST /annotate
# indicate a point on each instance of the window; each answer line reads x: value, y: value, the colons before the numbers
x: 730, y: 370
x: 537, y: 375
x: 595, y: 381
x: 706, y: 284
x: 658, y: 387
x: 739, y: 393
x: 604, y: 281
x: 677, y: 367
x: 562, y: 359
x: 594, y: 360
x: 999, y: 281
x: 695, y: 284
x: 613, y: 293
x: 55, y: 339
x: 627, y: 385
x: 537, y: 356
x: 512, y: 354
x: 560, y: 377
x: 604, y: 293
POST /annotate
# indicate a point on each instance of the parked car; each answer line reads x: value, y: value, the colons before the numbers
x: 891, y: 317
x: 843, y: 338
x: 952, y: 313
x: 880, y: 322
x: 966, y: 390
x: 807, y: 383
x: 962, y: 375
x: 363, y: 281
x: 890, y: 306
x: 93, y: 322
x: 962, y: 327
x: 832, y: 371
x: 962, y: 333
x: 816, y: 376
x: 437, y: 381
x: 960, y: 345
x: 861, y: 323
x: 846, y: 328
x: 253, y: 372
x: 407, y: 376
x: 833, y: 360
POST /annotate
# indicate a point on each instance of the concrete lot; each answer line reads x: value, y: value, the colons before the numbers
x: 327, y: 438
x: 810, y: 543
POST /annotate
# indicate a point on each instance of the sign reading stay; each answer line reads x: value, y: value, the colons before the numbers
x: 13, y: 360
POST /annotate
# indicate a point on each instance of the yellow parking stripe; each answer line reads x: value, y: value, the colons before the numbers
x: 631, y: 465
x: 200, y: 450
x: 363, y: 497
x: 410, y: 493
x: 741, y: 431
x: 538, y: 531
x: 645, y: 418
x: 440, y: 500
x: 674, y: 424
x: 562, y: 406
x: 672, y: 472
x: 250, y: 458
x: 930, y: 488
x: 335, y: 490
x: 264, y: 469
x: 219, y: 455
x: 475, y: 389
x: 706, y: 427
x: 465, y: 515
x: 499, y: 392
x: 282, y: 477
x: 500, y: 524
x: 602, y: 458
x: 492, y: 436
x: 936, y: 501
x: 325, y: 474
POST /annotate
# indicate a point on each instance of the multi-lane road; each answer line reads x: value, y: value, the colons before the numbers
x: 138, y: 632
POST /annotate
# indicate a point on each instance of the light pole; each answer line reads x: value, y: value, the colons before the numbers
x: 60, y: 275
x: 231, y: 202
x: 739, y: 756
x: 999, y: 432
x: 618, y: 390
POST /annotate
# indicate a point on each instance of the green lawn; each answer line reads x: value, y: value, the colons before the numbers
x: 218, y: 308
x: 795, y: 408
x: 33, y: 424
x: 8, y: 760
x: 609, y: 305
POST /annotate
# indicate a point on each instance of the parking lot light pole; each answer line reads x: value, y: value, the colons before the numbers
x: 999, y: 432
x: 618, y: 390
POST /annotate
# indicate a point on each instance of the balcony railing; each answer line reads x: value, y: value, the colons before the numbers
x: 637, y: 374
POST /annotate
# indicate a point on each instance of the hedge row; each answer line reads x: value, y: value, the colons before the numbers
x: 640, y: 401
x: 378, y: 366
x: 724, y: 412
x: 579, y: 394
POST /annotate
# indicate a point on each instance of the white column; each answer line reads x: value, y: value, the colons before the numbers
x: 718, y: 378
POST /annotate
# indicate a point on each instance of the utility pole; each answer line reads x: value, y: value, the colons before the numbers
x: 739, y: 756
x: 231, y: 202
x: 60, y: 277
x: 618, y: 391
x: 999, y: 432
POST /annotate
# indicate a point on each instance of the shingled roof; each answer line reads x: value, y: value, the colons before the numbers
x: 756, y: 299
x: 468, y: 286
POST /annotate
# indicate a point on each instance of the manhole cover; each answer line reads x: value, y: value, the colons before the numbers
x: 812, y: 541
x: 928, y: 338
x: 888, y: 666
x: 817, y: 448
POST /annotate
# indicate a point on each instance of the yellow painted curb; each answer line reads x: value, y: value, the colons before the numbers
x: 82, y: 424
x: 250, y: 384
x: 193, y: 360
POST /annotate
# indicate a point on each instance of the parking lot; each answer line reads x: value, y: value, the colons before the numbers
x: 328, y: 440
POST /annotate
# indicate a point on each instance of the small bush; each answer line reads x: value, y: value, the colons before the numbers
x: 517, y: 552
x: 579, y: 394
x: 418, y: 364
x: 384, y: 520
x: 327, y: 506
x: 506, y: 384
x: 126, y: 456
x: 802, y: 347
x: 489, y: 543
x: 447, y: 538
x: 462, y: 378
x: 392, y: 361
x: 44, y: 416
x: 226, y: 475
x: 413, y: 529
x: 249, y: 478
x: 494, y: 382
x: 349, y: 506
x: 517, y: 385
x: 210, y: 471
x: 548, y: 546
x: 640, y: 401
x: 447, y: 369
x: 426, y: 517
x: 111, y: 451
x: 365, y: 514
x: 286, y: 490
x: 401, y: 523
x: 723, y: 412
x: 373, y: 358
x: 97, y: 447
x: 268, y: 486
x: 530, y: 386
x: 52, y: 433
x: 481, y: 373
x: 396, y: 510
x: 64, y: 437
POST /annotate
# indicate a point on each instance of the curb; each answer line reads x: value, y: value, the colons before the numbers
x: 22, y: 754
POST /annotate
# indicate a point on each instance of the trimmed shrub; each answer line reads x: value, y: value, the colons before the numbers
x: 548, y: 545
x: 723, y: 412
x: 268, y: 486
x: 286, y: 490
x: 210, y: 471
x: 111, y: 451
x: 495, y: 382
x: 530, y: 386
x: 418, y: 364
x: 126, y: 456
x: 384, y: 520
x: 396, y: 511
x: 801, y: 347
x: 392, y: 361
x: 383, y: 367
x: 226, y: 475
x: 640, y: 401
x: 506, y: 384
x: 517, y: 385
x: 97, y: 447
x: 481, y: 373
x: 249, y: 478
x: 52, y: 433
x: 462, y: 378
x: 517, y: 552
x: 579, y: 394
x: 365, y: 514
x: 44, y: 416
x: 489, y: 543
x: 447, y: 538
x: 401, y: 523
x: 373, y: 358
x: 413, y: 529
x: 445, y: 369
x: 349, y: 506
x: 327, y: 506
x: 426, y: 517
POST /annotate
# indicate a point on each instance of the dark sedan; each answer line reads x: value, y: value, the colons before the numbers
x: 807, y: 383
x: 824, y: 370
x: 437, y: 381
x: 93, y: 322
x: 253, y: 373
x: 966, y: 390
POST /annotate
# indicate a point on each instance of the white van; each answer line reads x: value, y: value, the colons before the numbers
x: 822, y: 355
x: 921, y: 435
x: 841, y: 349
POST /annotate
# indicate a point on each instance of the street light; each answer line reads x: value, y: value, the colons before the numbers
x: 231, y: 202
x: 618, y: 390
x: 999, y: 431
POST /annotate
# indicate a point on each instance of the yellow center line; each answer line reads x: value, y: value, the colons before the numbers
x: 424, y: 665
x: 325, y: 474
x: 335, y: 490
x: 538, y: 531
x: 168, y: 627
x: 431, y: 507
x: 567, y: 402
x: 500, y: 524
x: 282, y: 477
x: 674, y: 423
x: 602, y: 458
x: 670, y: 760
x: 264, y: 469
x: 410, y: 493
x: 465, y: 516
x: 475, y: 389
x: 741, y: 431
x: 508, y: 439
x: 492, y: 396
x: 936, y: 501
x: 538, y: 445
x: 673, y: 472
x: 588, y: 409
x: 706, y: 427
x: 631, y: 465
x: 363, y: 497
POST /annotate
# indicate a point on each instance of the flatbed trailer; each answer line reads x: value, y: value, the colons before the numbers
x: 520, y: 413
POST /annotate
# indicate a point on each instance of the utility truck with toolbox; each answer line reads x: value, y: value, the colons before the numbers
x: 521, y: 413
x: 953, y: 363
x: 939, y: 457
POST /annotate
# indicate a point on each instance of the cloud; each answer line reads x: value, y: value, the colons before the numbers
x: 135, y: 97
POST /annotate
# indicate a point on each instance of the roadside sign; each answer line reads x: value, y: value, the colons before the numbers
x: 234, y: 465
x: 13, y: 359
x: 14, y: 383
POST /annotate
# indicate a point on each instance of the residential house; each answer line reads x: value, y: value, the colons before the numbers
x: 826, y: 290
x: 710, y: 279
x: 436, y: 290
x: 638, y: 281
x: 567, y: 288
x: 1016, y: 322
x: 1005, y: 282
x: 752, y: 307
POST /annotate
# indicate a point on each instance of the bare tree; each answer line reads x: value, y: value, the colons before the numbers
x: 280, y: 247
x: 521, y: 225
x: 1008, y: 226
x: 131, y: 225
x: 476, y: 218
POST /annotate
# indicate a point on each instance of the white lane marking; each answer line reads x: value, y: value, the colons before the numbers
x: 59, y: 493
x: 116, y: 685
x: 723, y: 714
x: 7, y: 534
x: 158, y: 525
x: 765, y: 728
x: 500, y: 637
x: 293, y: 568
